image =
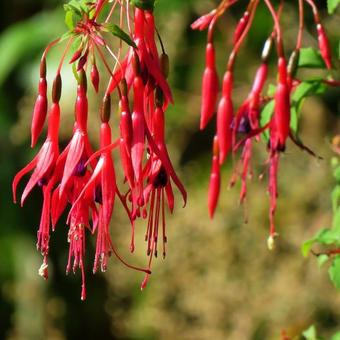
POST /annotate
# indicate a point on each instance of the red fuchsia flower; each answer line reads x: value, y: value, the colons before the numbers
x: 85, y: 180
x: 101, y: 188
x: 43, y: 164
x: 225, y: 117
x: 79, y: 150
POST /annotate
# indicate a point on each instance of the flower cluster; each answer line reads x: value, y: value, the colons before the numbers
x: 83, y: 181
x: 239, y: 128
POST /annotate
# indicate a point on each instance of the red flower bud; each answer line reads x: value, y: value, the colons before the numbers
x: 95, y: 78
x: 280, y: 123
x: 39, y: 112
x: 209, y: 87
x: 225, y: 117
x: 241, y: 26
x: 204, y: 21
x: 324, y: 46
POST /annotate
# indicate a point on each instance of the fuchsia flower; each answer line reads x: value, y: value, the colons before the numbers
x: 234, y: 131
x: 85, y: 180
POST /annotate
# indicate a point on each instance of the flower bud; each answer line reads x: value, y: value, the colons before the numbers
x: 56, y: 89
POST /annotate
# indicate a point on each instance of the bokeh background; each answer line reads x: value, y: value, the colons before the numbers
x: 219, y: 281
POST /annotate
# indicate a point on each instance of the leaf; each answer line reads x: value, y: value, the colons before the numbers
x: 332, y: 5
x: 266, y: 114
x: 271, y: 90
x: 143, y: 4
x: 334, y: 271
x: 336, y: 173
x: 311, y: 58
x: 305, y: 89
x: 336, y: 336
x: 69, y: 20
x: 310, y: 333
x: 307, y: 246
x: 322, y: 259
x: 335, y: 198
x: 336, y: 221
x: 327, y: 236
x: 118, y: 32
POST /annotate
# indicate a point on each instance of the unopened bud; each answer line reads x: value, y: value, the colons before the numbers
x: 293, y: 63
x: 267, y: 48
x: 43, y: 68
x: 56, y: 89
x: 106, y: 109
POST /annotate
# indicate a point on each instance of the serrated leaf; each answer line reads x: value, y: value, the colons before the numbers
x: 334, y: 271
x: 118, y: 32
x: 311, y: 58
x: 310, y: 333
x: 322, y: 259
x: 332, y: 5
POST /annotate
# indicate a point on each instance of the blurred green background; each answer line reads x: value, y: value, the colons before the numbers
x: 219, y: 281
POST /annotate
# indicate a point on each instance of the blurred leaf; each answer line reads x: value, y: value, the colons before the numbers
x: 335, y: 197
x: 311, y: 58
x: 336, y: 336
x: 310, y: 333
x: 26, y: 37
x: 334, y: 271
x: 307, y: 246
x: 322, y: 259
x: 336, y: 221
x: 336, y: 173
x: 332, y: 5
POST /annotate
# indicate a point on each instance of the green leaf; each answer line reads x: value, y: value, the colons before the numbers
x: 310, y: 333
x: 271, y: 90
x: 336, y: 336
x: 143, y: 4
x: 307, y: 246
x: 336, y: 221
x: 327, y: 236
x: 311, y: 58
x: 336, y: 173
x: 335, y: 198
x: 266, y: 114
x: 334, y: 271
x: 332, y: 5
x: 305, y: 89
x: 118, y: 32
x: 70, y: 23
x: 322, y: 259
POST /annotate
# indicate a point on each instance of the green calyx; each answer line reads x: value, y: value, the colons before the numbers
x: 147, y: 5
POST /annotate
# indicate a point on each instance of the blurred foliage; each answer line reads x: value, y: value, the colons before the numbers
x: 219, y: 281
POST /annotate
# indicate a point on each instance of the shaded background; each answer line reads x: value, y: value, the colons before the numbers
x: 219, y: 281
